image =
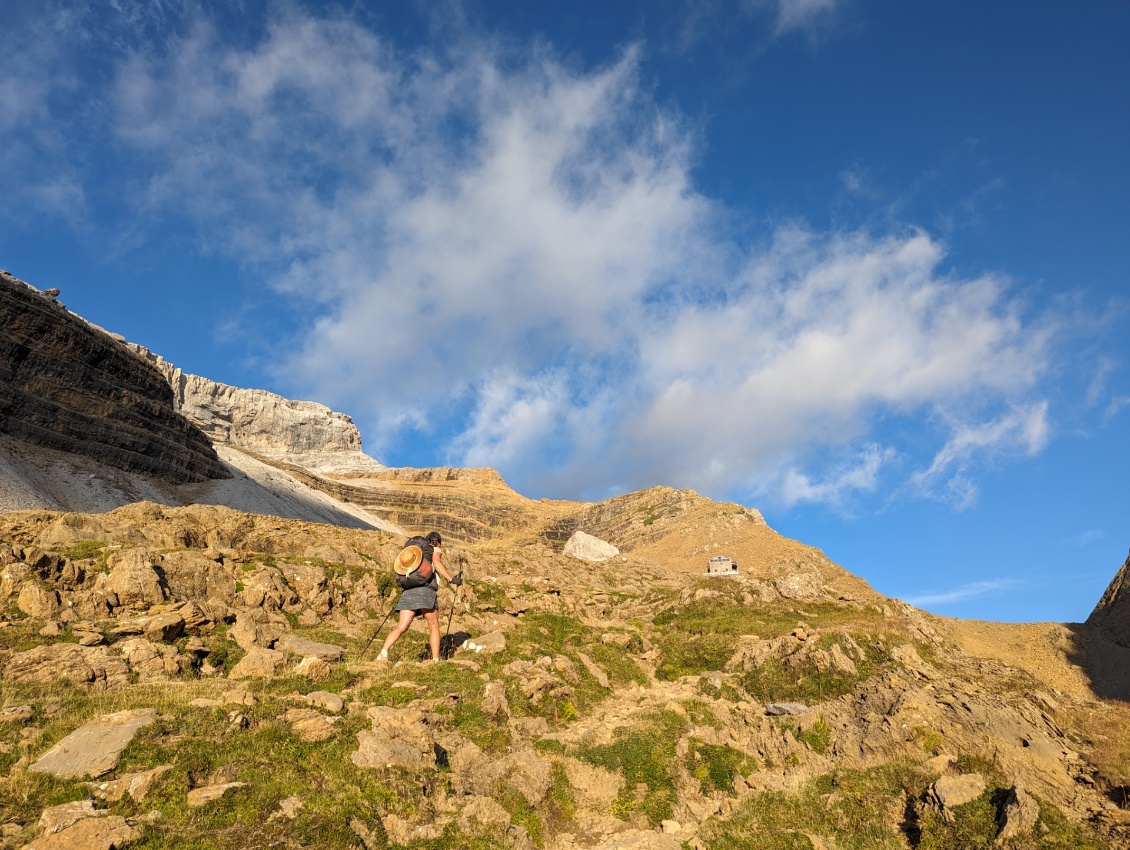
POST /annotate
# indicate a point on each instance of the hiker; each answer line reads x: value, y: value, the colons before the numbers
x: 423, y: 599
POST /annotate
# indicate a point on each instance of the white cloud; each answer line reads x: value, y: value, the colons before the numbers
x: 856, y: 475
x: 512, y: 255
x: 1022, y: 431
x: 804, y: 14
x: 962, y: 593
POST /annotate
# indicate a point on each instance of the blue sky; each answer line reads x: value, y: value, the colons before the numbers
x: 859, y: 264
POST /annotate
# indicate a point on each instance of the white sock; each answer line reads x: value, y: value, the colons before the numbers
x: 383, y: 655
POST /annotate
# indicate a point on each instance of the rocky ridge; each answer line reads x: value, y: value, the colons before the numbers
x: 66, y: 385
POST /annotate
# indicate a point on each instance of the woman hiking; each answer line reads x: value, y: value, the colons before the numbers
x: 421, y: 599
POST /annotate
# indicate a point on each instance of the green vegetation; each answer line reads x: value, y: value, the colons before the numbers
x: 84, y: 550
x: 868, y: 810
x: 819, y: 736
x: 802, y: 680
x: 716, y: 767
x: 645, y: 754
x: 700, y: 636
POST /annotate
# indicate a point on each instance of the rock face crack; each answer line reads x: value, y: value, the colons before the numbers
x: 67, y: 385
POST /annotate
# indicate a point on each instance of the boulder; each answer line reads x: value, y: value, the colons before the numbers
x: 57, y: 818
x: 296, y: 645
x: 165, y: 627
x: 589, y: 548
x: 308, y: 724
x: 93, y: 749
x: 779, y: 709
x: 258, y: 664
x: 476, y: 773
x: 79, y: 665
x: 255, y: 629
x: 802, y: 587
x: 134, y: 581
x: 16, y: 714
x: 325, y: 700
x: 314, y: 668
x: 152, y: 662
x: 489, y: 643
x: 949, y: 792
x: 38, y: 602
x: 593, y: 670
x: 12, y: 578
x: 480, y: 812
x: 1017, y: 816
x: 399, y: 738
x: 494, y: 699
x: 136, y: 785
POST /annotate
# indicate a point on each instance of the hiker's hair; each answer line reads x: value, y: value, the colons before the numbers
x: 434, y: 539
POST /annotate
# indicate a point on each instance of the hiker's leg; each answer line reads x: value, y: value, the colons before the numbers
x: 402, y: 625
x: 432, y: 618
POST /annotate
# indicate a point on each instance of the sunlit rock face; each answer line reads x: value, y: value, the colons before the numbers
x: 303, y: 433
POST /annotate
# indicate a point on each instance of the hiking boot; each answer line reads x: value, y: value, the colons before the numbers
x: 382, y: 657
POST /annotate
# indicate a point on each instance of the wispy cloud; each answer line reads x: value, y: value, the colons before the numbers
x: 1084, y: 538
x: 962, y: 593
x: 511, y: 254
x: 1021, y: 431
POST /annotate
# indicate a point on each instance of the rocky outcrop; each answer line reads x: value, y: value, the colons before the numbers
x: 1112, y: 613
x: 303, y: 433
x: 67, y: 385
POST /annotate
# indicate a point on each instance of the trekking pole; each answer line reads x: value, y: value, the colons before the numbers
x: 446, y: 642
x: 361, y: 657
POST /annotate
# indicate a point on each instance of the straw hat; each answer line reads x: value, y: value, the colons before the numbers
x: 408, y: 560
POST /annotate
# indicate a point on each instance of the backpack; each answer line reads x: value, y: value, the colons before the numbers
x: 424, y: 574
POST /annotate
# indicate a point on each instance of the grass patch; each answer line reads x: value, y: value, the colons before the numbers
x: 716, y: 767
x: 522, y: 813
x: 700, y: 636
x: 802, y: 680
x: 819, y: 737
x: 85, y: 550
x: 645, y: 755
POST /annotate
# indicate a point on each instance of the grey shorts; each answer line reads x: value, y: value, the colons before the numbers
x: 417, y: 599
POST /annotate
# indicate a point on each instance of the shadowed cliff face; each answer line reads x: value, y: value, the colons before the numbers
x: 68, y: 386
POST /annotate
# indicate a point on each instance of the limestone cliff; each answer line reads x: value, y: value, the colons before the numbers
x: 67, y: 385
x: 304, y: 433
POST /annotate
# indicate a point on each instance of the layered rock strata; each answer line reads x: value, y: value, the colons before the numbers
x: 67, y: 385
x: 304, y: 433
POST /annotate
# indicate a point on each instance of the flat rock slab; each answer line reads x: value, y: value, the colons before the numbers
x: 779, y: 709
x: 198, y: 797
x: 296, y: 645
x: 108, y: 833
x: 93, y: 749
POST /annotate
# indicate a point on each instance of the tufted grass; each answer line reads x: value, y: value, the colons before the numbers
x: 644, y: 753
